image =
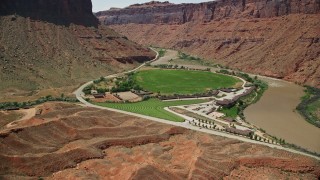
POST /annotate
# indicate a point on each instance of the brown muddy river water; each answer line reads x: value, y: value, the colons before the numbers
x: 275, y: 113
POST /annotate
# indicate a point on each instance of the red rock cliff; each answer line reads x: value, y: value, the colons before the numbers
x: 268, y: 37
x: 157, y: 12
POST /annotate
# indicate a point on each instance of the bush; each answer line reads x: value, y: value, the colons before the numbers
x: 87, y: 89
x: 102, y: 90
x: 125, y: 84
x: 188, y: 57
x: 223, y: 71
x: 36, y: 102
x: 146, y: 97
x: 162, y: 52
x: 101, y: 79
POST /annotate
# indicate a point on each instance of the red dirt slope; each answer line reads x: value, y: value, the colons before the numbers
x: 58, y: 44
x: 75, y: 142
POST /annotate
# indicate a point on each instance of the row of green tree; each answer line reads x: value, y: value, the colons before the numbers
x: 12, y: 105
x: 170, y: 66
x: 126, y: 84
x: 87, y: 89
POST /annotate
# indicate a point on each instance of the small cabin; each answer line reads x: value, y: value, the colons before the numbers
x: 225, y: 103
x: 101, y: 95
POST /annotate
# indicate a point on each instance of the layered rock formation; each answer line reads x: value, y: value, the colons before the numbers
x: 56, y: 44
x: 73, y: 142
x: 274, y: 38
x: 167, y: 13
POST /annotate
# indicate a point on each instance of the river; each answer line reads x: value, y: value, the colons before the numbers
x: 275, y: 113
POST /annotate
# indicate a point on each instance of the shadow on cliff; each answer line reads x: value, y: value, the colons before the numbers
x: 60, y: 12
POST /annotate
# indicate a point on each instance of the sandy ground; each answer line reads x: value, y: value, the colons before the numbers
x: 108, y: 97
x: 172, y: 57
x: 170, y: 54
x: 28, y: 114
x: 129, y: 96
x: 14, y: 95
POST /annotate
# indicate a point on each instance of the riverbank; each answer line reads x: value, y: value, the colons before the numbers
x: 276, y: 113
x: 309, y: 106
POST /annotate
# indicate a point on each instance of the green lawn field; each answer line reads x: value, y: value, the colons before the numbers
x: 182, y: 81
x: 230, y: 112
x: 152, y: 107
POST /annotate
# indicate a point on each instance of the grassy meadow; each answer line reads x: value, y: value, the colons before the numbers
x: 182, y: 81
x: 152, y: 107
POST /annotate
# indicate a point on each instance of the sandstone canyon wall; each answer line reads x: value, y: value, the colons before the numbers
x: 275, y: 38
x: 58, y: 43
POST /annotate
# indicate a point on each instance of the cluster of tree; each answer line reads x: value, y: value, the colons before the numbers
x: 167, y: 66
x: 179, y: 96
x: 282, y: 141
x: 239, y: 74
x: 278, y: 140
x: 170, y: 66
x: 258, y: 138
x: 205, y: 121
x: 312, y: 95
x: 245, y: 77
x: 125, y: 84
x: 122, y: 85
x: 162, y: 52
x: 224, y: 71
x: 211, y: 126
x: 145, y: 97
x: 41, y: 100
x: 87, y: 89
x: 102, y: 90
x: 101, y: 79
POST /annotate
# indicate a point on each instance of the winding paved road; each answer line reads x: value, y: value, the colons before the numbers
x: 80, y: 96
